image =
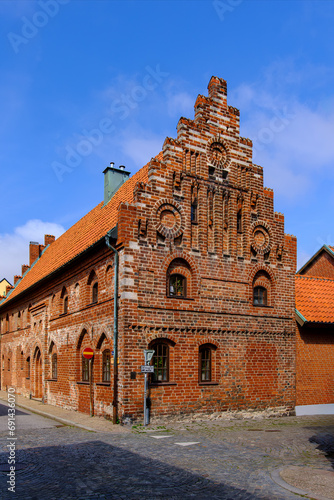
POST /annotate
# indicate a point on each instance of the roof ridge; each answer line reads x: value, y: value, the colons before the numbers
x: 319, y: 278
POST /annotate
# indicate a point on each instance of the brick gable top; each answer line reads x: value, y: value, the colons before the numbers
x: 321, y: 264
x: 314, y: 299
x: 78, y: 238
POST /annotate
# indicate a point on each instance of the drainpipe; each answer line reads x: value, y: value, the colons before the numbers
x: 114, y: 403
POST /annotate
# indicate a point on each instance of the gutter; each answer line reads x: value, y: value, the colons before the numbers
x: 114, y: 403
x: 300, y: 318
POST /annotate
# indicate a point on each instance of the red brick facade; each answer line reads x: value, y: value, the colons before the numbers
x: 315, y: 330
x: 206, y: 279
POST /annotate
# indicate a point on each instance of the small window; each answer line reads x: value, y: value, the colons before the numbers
x: 66, y: 304
x: 239, y: 222
x: 54, y: 361
x: 9, y: 364
x: 106, y: 366
x: 194, y: 212
x: 95, y: 292
x: 259, y: 296
x: 28, y: 367
x: 205, y: 364
x: 85, y: 369
x: 211, y: 170
x: 177, y: 285
x: 160, y: 362
x: 22, y: 360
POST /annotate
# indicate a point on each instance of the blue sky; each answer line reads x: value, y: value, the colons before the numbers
x: 87, y: 82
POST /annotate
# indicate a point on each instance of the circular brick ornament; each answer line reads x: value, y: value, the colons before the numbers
x: 261, y: 240
x: 169, y: 220
x: 218, y: 154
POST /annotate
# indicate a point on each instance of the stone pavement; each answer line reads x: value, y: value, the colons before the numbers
x: 229, y: 458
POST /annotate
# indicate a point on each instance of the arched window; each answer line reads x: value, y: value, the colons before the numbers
x: 259, y: 296
x: 64, y: 297
x: 160, y: 361
x: 179, y: 278
x: 22, y: 360
x: 262, y: 289
x: 177, y: 285
x: 54, y: 367
x: 106, y: 366
x: 93, y: 283
x: 95, y: 292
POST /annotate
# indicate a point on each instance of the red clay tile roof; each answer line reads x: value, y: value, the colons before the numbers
x: 78, y: 238
x: 315, y: 298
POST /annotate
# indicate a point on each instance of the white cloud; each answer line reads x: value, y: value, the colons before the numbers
x: 292, y: 137
x: 180, y: 104
x: 14, y: 247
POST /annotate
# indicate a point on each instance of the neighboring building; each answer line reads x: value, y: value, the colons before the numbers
x: 3, y: 287
x: 206, y: 280
x: 315, y: 334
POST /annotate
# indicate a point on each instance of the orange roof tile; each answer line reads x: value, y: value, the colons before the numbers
x: 315, y: 298
x: 78, y: 238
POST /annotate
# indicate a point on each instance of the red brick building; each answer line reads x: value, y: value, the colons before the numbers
x: 315, y: 334
x: 205, y: 278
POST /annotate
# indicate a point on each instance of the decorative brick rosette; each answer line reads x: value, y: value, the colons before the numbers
x: 168, y: 218
x: 218, y: 153
x: 261, y: 237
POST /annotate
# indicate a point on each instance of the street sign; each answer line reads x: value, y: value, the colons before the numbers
x: 147, y: 369
x: 88, y: 353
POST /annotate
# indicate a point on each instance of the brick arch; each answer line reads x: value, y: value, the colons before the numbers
x: 92, y: 277
x: 84, y: 331
x: 103, y: 339
x: 207, y: 340
x: 258, y: 268
x: 161, y: 336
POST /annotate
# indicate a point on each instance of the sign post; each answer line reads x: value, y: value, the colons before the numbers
x: 88, y: 353
x: 148, y: 355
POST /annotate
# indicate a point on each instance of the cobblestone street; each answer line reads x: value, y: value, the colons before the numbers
x: 219, y: 459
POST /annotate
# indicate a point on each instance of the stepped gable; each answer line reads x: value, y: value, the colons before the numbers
x: 78, y: 238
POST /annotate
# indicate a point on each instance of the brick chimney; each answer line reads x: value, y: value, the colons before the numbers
x: 24, y: 268
x: 113, y: 179
x: 8, y: 287
x: 48, y: 239
x: 16, y: 278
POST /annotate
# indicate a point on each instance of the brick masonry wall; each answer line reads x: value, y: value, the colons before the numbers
x: 315, y: 365
x: 322, y: 265
x: 236, y: 241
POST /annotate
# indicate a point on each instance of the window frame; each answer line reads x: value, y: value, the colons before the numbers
x: 106, y: 366
x: 84, y: 369
x: 95, y: 292
x: 264, y: 297
x: 163, y: 359
x: 54, y: 366
x: 205, y: 348
x: 176, y: 276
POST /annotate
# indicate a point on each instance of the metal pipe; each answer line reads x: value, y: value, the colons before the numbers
x: 115, y: 406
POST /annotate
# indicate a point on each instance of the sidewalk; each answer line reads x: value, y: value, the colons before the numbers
x: 314, y: 483
x: 67, y: 417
